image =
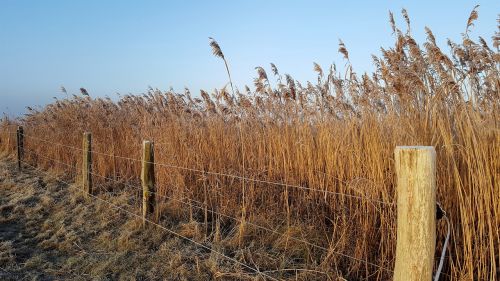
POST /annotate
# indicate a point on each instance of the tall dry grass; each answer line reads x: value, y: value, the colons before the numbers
x: 337, y: 134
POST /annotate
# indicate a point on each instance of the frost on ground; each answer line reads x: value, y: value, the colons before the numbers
x: 50, y: 231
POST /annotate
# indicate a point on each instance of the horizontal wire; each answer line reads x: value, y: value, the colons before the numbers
x: 235, y: 219
x: 51, y: 142
x: 250, y: 223
x: 186, y: 238
x: 203, y: 208
x: 171, y: 198
x: 232, y: 176
x: 227, y: 216
x: 230, y: 217
x: 274, y: 231
x: 107, y: 178
x: 73, y: 168
x: 32, y: 152
x: 249, y: 179
x: 166, y: 229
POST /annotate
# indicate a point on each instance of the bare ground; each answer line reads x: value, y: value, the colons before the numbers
x: 50, y: 231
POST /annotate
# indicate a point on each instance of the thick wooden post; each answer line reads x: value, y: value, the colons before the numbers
x: 416, y: 203
x: 20, y: 146
x: 148, y: 180
x: 87, y: 163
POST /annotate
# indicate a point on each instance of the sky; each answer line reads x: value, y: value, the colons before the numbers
x: 124, y: 47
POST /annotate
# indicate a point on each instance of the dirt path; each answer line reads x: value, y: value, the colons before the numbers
x: 49, y: 231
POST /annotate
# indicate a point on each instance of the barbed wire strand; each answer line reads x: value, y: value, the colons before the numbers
x: 253, y: 224
x: 250, y: 223
x: 166, y: 229
x: 32, y: 152
x: 51, y: 142
x: 248, y: 179
x: 271, y: 230
x: 362, y: 198
x: 233, y: 218
x: 236, y: 219
x: 204, y: 207
x: 214, y: 212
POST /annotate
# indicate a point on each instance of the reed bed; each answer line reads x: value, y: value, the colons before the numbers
x: 337, y: 134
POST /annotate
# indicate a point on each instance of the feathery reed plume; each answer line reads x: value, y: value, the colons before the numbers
x: 276, y: 74
x: 407, y: 20
x: 291, y: 86
x: 343, y: 50
x: 274, y: 69
x: 84, y: 92
x: 496, y: 37
x: 318, y: 69
x: 392, y: 22
x: 472, y: 17
x: 262, y: 73
x: 217, y: 51
x: 430, y: 35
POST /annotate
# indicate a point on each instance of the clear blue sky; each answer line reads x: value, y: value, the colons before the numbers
x: 123, y: 46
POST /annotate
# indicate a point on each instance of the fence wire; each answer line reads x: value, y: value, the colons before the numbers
x: 227, y: 175
x: 327, y: 250
x: 203, y: 206
x: 134, y: 215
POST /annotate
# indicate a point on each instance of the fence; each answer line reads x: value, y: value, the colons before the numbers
x: 417, y: 209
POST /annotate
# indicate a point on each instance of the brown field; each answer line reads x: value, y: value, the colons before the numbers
x: 336, y: 135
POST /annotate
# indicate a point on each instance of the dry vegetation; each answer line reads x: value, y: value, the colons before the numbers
x: 49, y: 231
x: 337, y: 134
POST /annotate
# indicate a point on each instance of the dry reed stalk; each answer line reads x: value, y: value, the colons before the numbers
x: 336, y: 136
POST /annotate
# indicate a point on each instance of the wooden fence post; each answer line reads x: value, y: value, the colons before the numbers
x: 87, y: 163
x: 416, y: 207
x: 148, y: 180
x: 20, y: 146
x: 8, y: 141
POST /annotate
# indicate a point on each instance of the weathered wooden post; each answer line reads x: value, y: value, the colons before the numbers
x: 8, y: 140
x: 87, y: 163
x: 148, y: 180
x: 20, y: 146
x: 416, y: 207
